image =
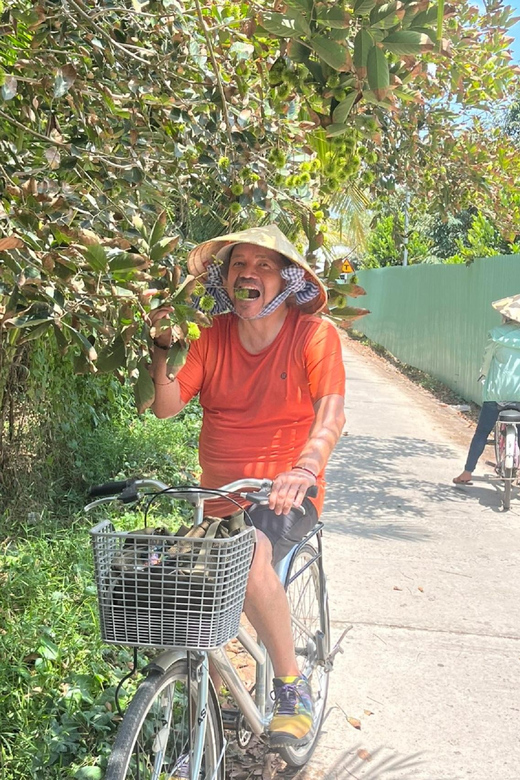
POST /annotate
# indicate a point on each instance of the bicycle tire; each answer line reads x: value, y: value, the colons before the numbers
x: 136, y: 746
x: 508, y: 487
x: 498, y: 454
x: 309, y: 607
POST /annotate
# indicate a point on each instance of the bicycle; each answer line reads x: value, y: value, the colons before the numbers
x: 174, y: 727
x: 507, y: 451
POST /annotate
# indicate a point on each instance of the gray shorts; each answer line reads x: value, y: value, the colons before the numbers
x: 284, y: 531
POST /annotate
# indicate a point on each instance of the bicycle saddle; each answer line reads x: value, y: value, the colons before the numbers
x: 509, y: 415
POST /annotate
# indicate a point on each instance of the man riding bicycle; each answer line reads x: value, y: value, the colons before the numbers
x: 271, y: 380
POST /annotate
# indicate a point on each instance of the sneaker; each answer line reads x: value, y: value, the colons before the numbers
x: 291, y: 724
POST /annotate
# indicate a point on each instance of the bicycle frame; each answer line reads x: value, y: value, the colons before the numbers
x: 253, y: 708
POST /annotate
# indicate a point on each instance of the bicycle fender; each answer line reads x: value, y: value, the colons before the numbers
x: 511, y: 439
x: 164, y: 660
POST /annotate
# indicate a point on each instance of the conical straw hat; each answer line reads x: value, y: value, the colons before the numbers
x: 508, y: 307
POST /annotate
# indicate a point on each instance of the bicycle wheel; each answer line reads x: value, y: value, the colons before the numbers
x: 153, y: 739
x: 508, y: 487
x: 310, y: 621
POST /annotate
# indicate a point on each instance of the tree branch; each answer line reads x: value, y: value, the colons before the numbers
x: 104, y: 34
x: 217, y: 75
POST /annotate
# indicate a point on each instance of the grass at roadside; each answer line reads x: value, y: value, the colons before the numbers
x: 57, y: 679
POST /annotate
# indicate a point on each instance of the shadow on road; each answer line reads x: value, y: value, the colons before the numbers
x: 355, y: 762
x: 376, y: 486
x: 359, y: 763
x: 489, y: 495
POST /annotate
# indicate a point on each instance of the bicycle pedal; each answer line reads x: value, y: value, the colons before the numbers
x: 329, y: 661
x: 230, y: 718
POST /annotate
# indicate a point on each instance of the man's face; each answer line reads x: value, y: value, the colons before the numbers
x: 254, y: 271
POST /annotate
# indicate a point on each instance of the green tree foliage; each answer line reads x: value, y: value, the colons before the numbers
x: 385, y: 243
x: 129, y: 132
x: 449, y: 234
x: 481, y: 240
x: 444, y: 155
x: 512, y: 125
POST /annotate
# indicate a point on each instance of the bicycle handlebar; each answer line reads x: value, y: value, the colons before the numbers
x: 126, y: 491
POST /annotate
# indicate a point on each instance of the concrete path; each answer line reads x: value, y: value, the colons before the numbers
x: 429, y: 577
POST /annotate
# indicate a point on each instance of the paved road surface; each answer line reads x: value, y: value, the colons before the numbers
x: 428, y: 575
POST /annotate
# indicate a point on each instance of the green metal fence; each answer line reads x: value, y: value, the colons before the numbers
x: 436, y: 317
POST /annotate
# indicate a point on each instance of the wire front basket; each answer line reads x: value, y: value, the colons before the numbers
x: 168, y: 591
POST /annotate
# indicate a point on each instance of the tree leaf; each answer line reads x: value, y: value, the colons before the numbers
x: 35, y: 333
x: 85, y: 345
x: 440, y: 18
x: 53, y: 157
x: 112, y: 356
x: 280, y: 25
x: 28, y: 320
x: 61, y: 341
x: 127, y: 261
x: 164, y: 247
x: 297, y: 51
x: 304, y: 6
x: 63, y: 80
x: 331, y: 52
x: 378, y: 72
x: 10, y: 242
x: 300, y: 22
x: 144, y: 388
x: 336, y: 129
x: 344, y: 108
x: 96, y: 257
x: 407, y: 42
x: 362, y: 7
x: 351, y: 289
x: 348, y: 312
x: 334, y: 17
x: 158, y: 229
x: 363, y: 43
x: 176, y: 357
x: 386, y: 15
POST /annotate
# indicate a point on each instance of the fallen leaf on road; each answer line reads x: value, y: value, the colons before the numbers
x: 421, y: 589
x: 364, y: 755
x: 396, y: 588
x: 368, y: 712
x: 354, y: 722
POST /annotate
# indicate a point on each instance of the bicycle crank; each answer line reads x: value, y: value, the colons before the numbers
x: 329, y: 661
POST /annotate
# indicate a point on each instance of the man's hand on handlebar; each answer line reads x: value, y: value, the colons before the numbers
x: 289, y: 489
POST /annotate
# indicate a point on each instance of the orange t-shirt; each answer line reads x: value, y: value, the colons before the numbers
x: 258, y: 409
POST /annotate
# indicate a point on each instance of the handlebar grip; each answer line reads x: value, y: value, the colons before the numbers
x: 312, y: 491
x: 110, y: 488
